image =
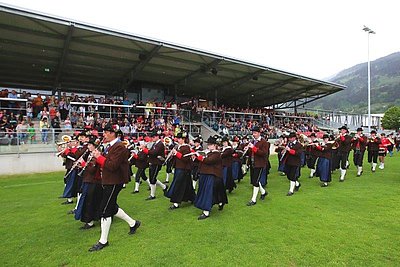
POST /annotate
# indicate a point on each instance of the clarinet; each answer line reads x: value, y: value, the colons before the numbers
x: 90, y: 157
x: 76, y: 163
x: 290, y: 144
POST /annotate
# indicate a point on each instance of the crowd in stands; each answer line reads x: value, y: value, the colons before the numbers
x: 66, y: 114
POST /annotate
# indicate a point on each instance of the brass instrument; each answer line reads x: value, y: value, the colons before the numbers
x: 65, y: 140
x: 168, y: 141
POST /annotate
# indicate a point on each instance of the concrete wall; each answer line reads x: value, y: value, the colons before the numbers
x: 30, y: 163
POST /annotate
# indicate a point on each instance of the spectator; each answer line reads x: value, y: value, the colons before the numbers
x: 37, y: 104
x: 44, y: 129
x: 29, y: 112
x: 31, y: 133
x: 56, y: 124
x: 22, y: 130
x: 67, y: 124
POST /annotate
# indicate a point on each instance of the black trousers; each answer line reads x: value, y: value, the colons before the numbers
x: 153, y: 172
x: 311, y: 160
x: 195, y: 173
x: 373, y: 156
x: 141, y: 173
x: 92, y: 203
x: 358, y: 157
x: 343, y: 158
x: 255, y: 175
x: 109, y: 206
x: 291, y: 172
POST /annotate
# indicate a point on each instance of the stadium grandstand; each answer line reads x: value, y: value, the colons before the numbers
x: 79, y: 75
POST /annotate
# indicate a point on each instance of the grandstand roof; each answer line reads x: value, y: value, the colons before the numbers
x: 40, y: 51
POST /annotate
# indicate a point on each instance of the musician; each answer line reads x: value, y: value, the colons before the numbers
x: 237, y: 173
x: 181, y: 187
x: 390, y: 147
x: 115, y: 172
x: 373, y: 150
x: 195, y: 162
x: 324, y: 154
x: 359, y: 144
x: 383, y: 148
x: 397, y: 142
x: 292, y: 160
x: 245, y: 157
x: 156, y: 158
x: 227, y: 160
x: 258, y: 151
x: 70, y: 176
x: 280, y: 145
x: 89, y: 204
x: 141, y: 163
x: 344, y: 147
x: 311, y: 154
x: 82, y: 152
x: 169, y: 145
x: 211, y: 186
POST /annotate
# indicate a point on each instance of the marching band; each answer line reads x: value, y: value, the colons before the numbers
x: 97, y: 170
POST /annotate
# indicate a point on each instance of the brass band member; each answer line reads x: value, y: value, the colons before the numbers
x: 195, y: 162
x: 115, y: 173
x: 211, y: 187
x: 258, y: 150
x: 89, y: 203
x: 292, y: 160
x: 181, y: 188
x: 344, y: 141
x: 70, y: 176
x: 280, y: 145
x: 373, y: 149
x: 169, y: 145
x: 324, y: 152
x: 237, y: 173
x: 156, y: 159
x: 359, y: 144
x: 227, y: 159
x: 311, y: 157
x: 383, y: 148
x: 141, y: 163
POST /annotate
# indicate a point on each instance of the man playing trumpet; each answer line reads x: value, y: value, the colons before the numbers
x: 344, y: 141
x: 359, y: 144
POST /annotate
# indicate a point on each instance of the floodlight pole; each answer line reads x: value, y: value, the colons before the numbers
x: 369, y: 31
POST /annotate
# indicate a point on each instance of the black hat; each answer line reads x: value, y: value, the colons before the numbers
x: 211, y: 140
x: 359, y: 129
x: 383, y: 134
x: 325, y: 136
x: 93, y: 140
x: 292, y: 134
x: 373, y: 132
x: 344, y: 127
x: 255, y: 129
x: 225, y: 139
x: 111, y: 128
x: 197, y: 139
x: 181, y: 135
x: 155, y: 133
x: 313, y: 134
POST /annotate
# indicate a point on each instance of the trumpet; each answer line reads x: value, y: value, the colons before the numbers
x: 65, y: 140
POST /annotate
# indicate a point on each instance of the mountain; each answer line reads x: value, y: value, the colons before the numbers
x: 385, y: 87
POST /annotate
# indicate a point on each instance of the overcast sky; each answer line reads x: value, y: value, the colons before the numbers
x: 308, y: 37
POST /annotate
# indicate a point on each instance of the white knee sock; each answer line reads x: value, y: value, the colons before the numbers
x: 292, y: 185
x: 262, y: 190
x: 297, y: 183
x: 206, y: 212
x: 359, y: 168
x: 312, y: 171
x: 194, y: 184
x: 374, y: 166
x: 176, y: 204
x: 78, y: 197
x: 90, y: 223
x: 255, y: 193
x: 167, y: 179
x: 105, y: 228
x: 69, y: 199
x: 153, y: 190
x: 136, y: 186
x: 163, y: 186
x: 148, y: 182
x: 123, y: 216
x: 342, y: 173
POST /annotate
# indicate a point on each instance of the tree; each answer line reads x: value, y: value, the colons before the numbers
x: 391, y: 119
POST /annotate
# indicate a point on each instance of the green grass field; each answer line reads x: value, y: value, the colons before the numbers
x: 355, y: 223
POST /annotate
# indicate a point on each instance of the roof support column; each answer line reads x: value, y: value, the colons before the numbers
x: 216, y: 99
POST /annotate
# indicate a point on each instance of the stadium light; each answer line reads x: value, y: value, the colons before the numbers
x: 369, y: 31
